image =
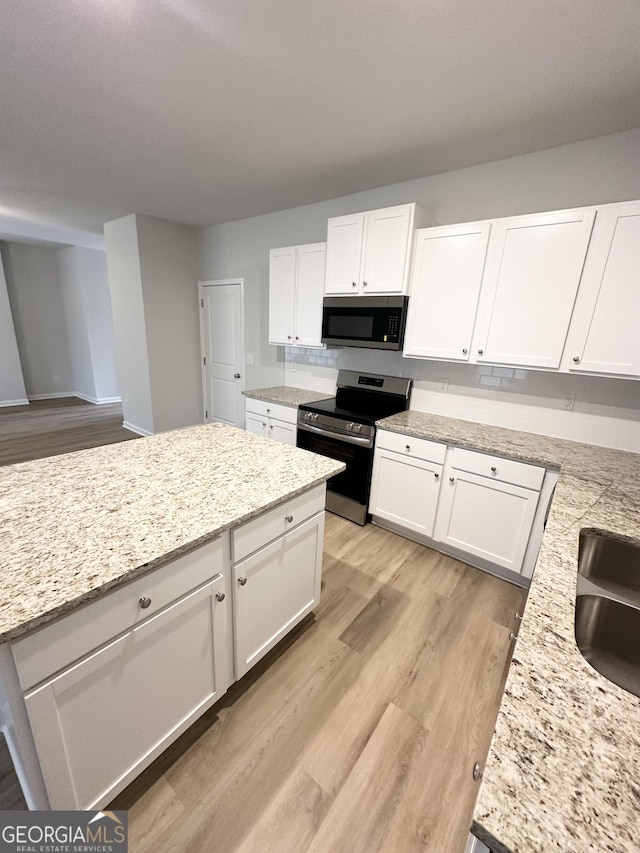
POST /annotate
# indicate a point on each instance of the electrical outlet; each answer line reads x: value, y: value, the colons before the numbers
x: 569, y: 400
x: 444, y: 385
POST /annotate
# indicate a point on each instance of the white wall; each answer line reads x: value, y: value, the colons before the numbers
x: 168, y: 265
x: 153, y: 279
x: 12, y: 390
x: 601, y: 170
x: 125, y: 284
x: 35, y: 294
x: 87, y: 301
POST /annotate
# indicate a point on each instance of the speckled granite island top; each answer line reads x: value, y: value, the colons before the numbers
x: 287, y: 396
x: 563, y: 771
x: 74, y: 526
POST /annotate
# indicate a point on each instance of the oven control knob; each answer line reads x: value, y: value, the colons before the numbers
x: 315, y: 416
x: 357, y: 427
x: 350, y: 426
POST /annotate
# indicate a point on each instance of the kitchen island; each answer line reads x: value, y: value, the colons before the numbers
x: 563, y: 768
x: 80, y: 531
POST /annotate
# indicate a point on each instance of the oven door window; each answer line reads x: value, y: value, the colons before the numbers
x: 352, y: 483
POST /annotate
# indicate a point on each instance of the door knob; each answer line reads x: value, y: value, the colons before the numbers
x: 236, y: 376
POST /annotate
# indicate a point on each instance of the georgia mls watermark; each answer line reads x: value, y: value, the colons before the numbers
x: 63, y: 832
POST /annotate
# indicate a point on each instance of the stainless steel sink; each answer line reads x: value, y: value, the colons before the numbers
x: 608, y: 635
x: 607, y: 621
x: 612, y: 564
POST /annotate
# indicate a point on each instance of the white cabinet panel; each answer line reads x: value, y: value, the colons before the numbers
x: 386, y: 247
x: 488, y: 519
x: 99, y: 723
x: 281, y: 431
x: 534, y: 265
x: 282, y: 279
x: 405, y: 490
x: 296, y: 290
x: 344, y: 252
x: 271, y: 421
x: 258, y: 424
x: 445, y: 287
x: 275, y: 589
x: 604, y: 336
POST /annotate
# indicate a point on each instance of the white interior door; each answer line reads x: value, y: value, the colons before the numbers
x: 222, y: 331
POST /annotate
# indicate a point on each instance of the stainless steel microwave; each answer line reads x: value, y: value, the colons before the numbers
x: 376, y: 322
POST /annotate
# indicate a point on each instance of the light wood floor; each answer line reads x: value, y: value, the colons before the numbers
x: 360, y: 732
x: 49, y: 427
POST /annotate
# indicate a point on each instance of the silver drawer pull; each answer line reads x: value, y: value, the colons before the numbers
x: 288, y: 518
x: 451, y: 479
x: 513, y: 637
x: 144, y: 602
x: 220, y: 596
x: 437, y: 476
x: 407, y: 447
x: 494, y: 470
x: 242, y: 581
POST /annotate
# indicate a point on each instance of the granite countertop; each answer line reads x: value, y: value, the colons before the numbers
x: 563, y: 771
x: 74, y: 526
x: 287, y: 396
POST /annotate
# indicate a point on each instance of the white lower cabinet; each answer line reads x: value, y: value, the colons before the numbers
x: 276, y: 586
x: 486, y: 518
x: 272, y: 420
x: 100, y: 722
x: 405, y: 491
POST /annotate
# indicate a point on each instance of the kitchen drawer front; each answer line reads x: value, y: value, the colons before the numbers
x: 498, y: 468
x: 288, y: 414
x: 46, y: 651
x: 265, y: 528
x: 408, y: 445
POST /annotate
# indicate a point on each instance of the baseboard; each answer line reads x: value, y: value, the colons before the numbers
x: 58, y: 395
x: 133, y: 428
x: 97, y: 401
x: 23, y: 402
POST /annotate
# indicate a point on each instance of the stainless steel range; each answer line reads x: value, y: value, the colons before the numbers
x: 343, y: 428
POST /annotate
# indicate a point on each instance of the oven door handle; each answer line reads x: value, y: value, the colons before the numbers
x: 360, y: 440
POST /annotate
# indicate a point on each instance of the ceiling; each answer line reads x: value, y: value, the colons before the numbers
x: 203, y: 111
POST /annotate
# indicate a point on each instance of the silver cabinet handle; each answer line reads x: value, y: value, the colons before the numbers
x: 288, y: 337
x: 263, y: 423
x: 297, y: 337
x: 268, y: 411
x: 518, y: 616
x: 576, y: 359
x: 451, y: 480
x: 220, y: 596
x: 494, y: 470
x: 288, y: 518
x: 476, y: 772
x: 407, y: 447
x: 513, y: 636
x: 354, y: 284
x: 270, y: 426
x: 364, y: 283
x: 144, y: 602
x: 242, y: 581
x: 437, y: 476
x: 236, y: 376
x: 480, y: 352
x: 465, y: 351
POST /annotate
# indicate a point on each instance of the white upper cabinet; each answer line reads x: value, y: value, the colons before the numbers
x: 604, y: 336
x: 533, y: 271
x: 371, y: 252
x: 296, y: 288
x: 445, y: 287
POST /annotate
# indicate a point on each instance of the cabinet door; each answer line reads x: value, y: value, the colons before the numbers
x: 100, y: 722
x: 311, y: 263
x: 445, y: 286
x: 257, y: 424
x: 386, y: 248
x: 405, y: 490
x: 344, y: 251
x: 274, y: 589
x: 534, y: 265
x: 281, y: 431
x: 282, y: 277
x: 489, y: 519
x: 604, y: 336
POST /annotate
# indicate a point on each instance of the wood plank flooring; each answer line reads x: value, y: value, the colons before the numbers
x: 359, y: 732
x: 49, y: 427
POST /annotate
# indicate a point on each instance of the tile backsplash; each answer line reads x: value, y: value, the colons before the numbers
x: 606, y: 411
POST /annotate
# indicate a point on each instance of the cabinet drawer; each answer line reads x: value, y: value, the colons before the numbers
x: 408, y: 445
x: 288, y: 414
x: 265, y: 528
x: 504, y: 470
x: 42, y: 653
